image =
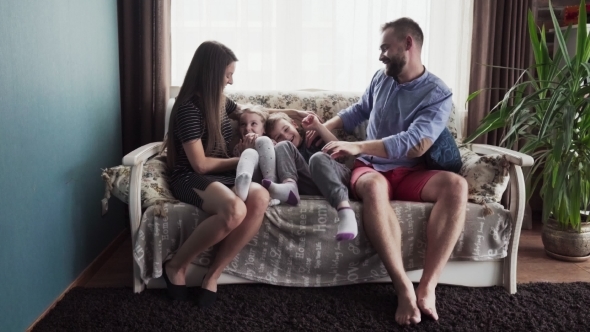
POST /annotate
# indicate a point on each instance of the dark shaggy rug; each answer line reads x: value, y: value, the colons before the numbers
x: 367, y: 307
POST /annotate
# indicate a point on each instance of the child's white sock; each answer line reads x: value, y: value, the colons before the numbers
x: 285, y: 192
x: 243, y: 185
x: 246, y: 166
x: 347, y: 227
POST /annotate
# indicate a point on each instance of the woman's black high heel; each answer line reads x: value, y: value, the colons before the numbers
x: 205, y: 297
x: 175, y: 292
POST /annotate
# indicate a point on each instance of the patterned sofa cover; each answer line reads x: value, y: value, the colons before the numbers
x: 295, y: 245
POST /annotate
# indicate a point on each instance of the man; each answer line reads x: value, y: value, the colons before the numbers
x: 407, y: 108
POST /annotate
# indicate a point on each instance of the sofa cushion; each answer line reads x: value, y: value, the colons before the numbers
x: 444, y: 154
x: 154, y: 183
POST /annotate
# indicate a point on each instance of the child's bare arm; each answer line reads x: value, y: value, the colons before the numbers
x: 311, y: 122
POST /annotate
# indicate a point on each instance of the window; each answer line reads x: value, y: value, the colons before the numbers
x: 320, y: 44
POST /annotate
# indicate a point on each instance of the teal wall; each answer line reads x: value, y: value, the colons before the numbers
x: 60, y: 124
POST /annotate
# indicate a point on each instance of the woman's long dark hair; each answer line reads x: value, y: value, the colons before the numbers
x: 204, y: 83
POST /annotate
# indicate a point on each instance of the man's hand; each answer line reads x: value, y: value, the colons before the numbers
x: 338, y: 149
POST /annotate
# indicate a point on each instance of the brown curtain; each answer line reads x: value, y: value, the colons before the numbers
x: 144, y: 65
x: 500, y: 38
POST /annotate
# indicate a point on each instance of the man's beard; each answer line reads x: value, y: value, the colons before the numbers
x: 395, y: 65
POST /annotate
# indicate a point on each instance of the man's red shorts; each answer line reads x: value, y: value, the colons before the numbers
x: 405, y: 184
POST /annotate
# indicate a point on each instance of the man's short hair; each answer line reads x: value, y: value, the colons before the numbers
x: 403, y: 27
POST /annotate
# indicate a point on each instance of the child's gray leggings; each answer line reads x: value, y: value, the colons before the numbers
x: 322, y: 176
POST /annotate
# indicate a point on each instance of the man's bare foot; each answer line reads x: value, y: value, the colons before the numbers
x: 427, y: 300
x: 407, y: 310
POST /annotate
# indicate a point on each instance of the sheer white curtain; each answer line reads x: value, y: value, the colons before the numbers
x: 320, y: 44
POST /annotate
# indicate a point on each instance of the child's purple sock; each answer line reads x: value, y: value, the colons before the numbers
x: 347, y: 227
x: 285, y: 192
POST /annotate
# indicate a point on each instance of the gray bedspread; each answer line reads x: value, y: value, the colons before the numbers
x: 296, y: 247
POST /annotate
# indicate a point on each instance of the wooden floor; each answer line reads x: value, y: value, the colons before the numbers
x: 533, y: 265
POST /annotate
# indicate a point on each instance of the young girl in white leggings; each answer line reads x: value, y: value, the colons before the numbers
x: 256, y: 151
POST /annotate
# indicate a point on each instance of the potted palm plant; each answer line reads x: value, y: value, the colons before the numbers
x: 547, y: 114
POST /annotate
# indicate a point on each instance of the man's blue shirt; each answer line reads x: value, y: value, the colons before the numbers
x: 404, y: 116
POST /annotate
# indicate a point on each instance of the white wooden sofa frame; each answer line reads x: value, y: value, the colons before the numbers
x: 500, y: 272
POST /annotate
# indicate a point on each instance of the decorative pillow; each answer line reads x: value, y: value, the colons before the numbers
x: 487, y: 176
x: 444, y: 154
x: 154, y: 183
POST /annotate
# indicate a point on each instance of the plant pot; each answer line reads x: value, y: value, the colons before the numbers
x: 568, y: 245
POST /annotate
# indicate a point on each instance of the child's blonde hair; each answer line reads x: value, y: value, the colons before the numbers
x: 253, y: 109
x: 274, y: 118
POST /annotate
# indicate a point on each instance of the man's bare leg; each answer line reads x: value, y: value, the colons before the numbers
x: 382, y: 229
x: 448, y: 191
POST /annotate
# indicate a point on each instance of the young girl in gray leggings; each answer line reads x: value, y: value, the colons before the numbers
x: 308, y: 171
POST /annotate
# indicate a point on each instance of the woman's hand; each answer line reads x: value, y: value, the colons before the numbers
x: 338, y: 149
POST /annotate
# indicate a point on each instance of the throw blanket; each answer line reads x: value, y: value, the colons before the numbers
x: 296, y: 247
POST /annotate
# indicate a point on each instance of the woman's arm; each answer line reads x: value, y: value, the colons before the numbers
x: 202, y: 164
x: 235, y: 115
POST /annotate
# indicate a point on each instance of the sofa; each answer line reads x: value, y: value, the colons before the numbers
x: 295, y: 246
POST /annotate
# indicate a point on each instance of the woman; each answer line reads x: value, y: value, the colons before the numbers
x: 203, y: 174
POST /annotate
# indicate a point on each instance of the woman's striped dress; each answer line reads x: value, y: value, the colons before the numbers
x: 191, y: 125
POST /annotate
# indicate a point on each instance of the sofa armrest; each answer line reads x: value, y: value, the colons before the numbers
x: 135, y: 159
x: 514, y: 199
x: 517, y: 158
x: 141, y: 154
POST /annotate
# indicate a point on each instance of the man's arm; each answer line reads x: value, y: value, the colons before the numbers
x: 338, y: 149
x: 423, y: 131
x: 374, y: 148
x: 413, y: 143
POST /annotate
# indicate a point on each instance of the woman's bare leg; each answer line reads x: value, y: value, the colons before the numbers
x: 256, y: 205
x: 226, y: 213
